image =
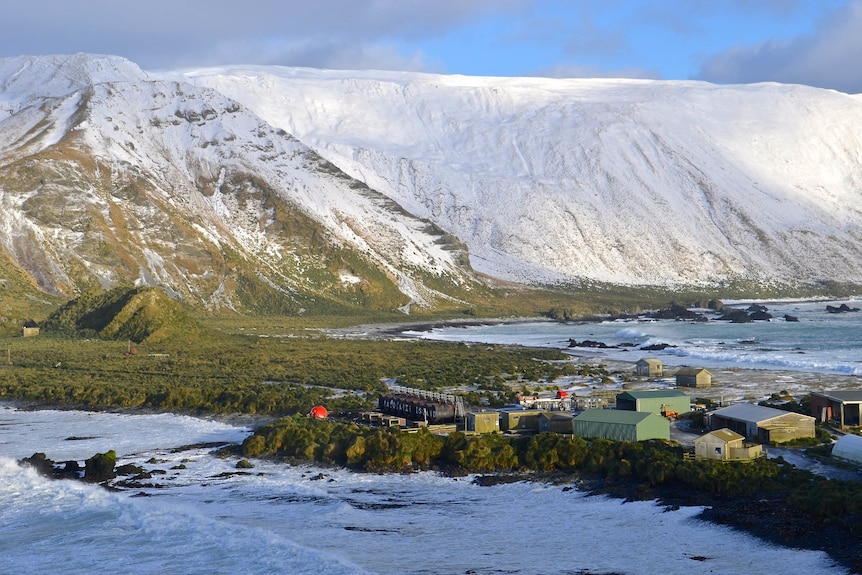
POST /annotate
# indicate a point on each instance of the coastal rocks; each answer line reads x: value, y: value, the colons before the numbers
x: 791, y: 318
x: 843, y: 308
x: 129, y: 469
x: 677, y: 312
x: 760, y: 316
x: 97, y: 469
x: 656, y: 347
x: 735, y: 316
x: 39, y: 462
x: 589, y: 343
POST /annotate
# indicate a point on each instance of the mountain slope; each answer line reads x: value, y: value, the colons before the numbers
x: 277, y: 190
x: 620, y: 181
x: 110, y: 176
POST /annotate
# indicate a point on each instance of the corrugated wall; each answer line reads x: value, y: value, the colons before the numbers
x: 653, y: 427
x: 605, y: 430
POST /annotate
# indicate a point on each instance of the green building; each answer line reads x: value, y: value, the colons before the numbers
x: 655, y: 401
x: 620, y: 425
x: 483, y: 421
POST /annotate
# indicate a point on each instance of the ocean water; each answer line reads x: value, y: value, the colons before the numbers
x: 210, y: 517
x: 819, y: 342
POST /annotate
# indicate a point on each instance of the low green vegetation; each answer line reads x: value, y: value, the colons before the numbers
x: 241, y: 374
x: 131, y: 348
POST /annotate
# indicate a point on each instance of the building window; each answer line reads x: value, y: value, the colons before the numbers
x: 718, y: 450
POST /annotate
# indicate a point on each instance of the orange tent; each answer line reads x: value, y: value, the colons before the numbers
x: 318, y: 412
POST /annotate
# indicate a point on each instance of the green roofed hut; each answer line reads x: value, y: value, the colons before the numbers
x: 658, y: 401
x: 620, y: 425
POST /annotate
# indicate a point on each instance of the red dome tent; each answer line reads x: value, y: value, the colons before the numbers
x: 318, y: 412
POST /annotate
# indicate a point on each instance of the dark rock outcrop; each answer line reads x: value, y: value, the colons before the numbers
x: 39, y: 462
x: 735, y: 316
x: 100, y: 467
x: 843, y: 308
x: 760, y: 315
x: 589, y: 343
x: 656, y: 347
x: 677, y: 312
x: 129, y: 469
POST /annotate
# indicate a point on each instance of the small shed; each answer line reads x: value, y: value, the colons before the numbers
x: 725, y: 445
x: 649, y: 367
x: 656, y: 401
x: 841, y: 407
x: 693, y: 377
x: 763, y: 424
x: 483, y: 421
x: 620, y: 425
x: 555, y: 422
x: 848, y: 449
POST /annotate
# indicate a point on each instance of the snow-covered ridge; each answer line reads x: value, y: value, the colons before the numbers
x: 626, y: 181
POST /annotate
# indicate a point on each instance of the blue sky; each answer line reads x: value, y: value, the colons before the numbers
x: 815, y: 42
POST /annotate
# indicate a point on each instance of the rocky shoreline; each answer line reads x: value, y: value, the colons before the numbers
x: 763, y: 515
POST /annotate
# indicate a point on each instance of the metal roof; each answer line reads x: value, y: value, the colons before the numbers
x: 652, y: 393
x: 549, y: 415
x: 852, y: 396
x: 753, y: 413
x: 723, y: 434
x: 692, y: 371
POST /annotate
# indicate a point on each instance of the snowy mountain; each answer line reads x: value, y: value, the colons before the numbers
x: 230, y: 186
x: 622, y: 181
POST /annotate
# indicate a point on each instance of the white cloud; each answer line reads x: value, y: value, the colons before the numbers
x: 828, y: 59
x: 164, y: 33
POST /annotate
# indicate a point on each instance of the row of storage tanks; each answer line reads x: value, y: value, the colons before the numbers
x: 416, y: 408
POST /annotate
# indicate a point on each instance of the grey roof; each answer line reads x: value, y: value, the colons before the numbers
x: 852, y: 396
x: 652, y: 393
x: 552, y: 415
x: 692, y: 371
x: 753, y: 413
